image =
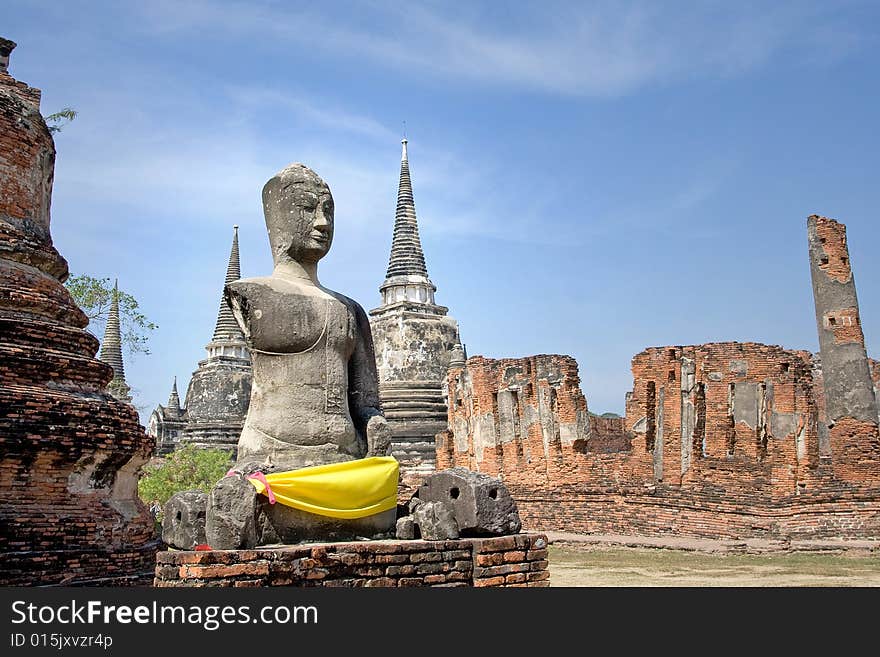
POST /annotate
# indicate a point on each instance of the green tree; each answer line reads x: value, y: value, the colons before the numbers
x: 59, y: 119
x: 94, y: 296
x: 186, y: 468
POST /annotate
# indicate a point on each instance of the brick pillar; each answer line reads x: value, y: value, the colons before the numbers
x: 850, y: 405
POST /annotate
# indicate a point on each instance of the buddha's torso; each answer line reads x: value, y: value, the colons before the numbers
x: 301, y: 340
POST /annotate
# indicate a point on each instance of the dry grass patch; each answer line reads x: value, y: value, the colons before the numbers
x: 578, y: 566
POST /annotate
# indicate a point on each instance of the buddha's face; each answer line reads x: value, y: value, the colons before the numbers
x: 312, y: 218
x: 299, y: 214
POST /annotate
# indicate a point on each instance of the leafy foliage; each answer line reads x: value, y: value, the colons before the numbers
x: 59, y: 119
x: 186, y: 468
x: 94, y: 296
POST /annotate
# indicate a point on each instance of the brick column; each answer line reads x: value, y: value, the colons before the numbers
x: 850, y: 405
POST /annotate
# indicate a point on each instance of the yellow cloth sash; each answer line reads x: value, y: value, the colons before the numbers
x: 352, y: 489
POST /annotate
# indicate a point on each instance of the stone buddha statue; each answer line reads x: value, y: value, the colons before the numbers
x: 314, y: 398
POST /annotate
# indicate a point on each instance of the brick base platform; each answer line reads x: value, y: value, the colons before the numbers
x: 503, y: 561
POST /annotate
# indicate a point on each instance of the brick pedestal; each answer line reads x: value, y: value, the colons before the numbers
x: 519, y: 560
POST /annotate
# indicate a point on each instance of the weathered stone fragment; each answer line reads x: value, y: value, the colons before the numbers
x: 436, y: 521
x: 378, y: 437
x: 183, y: 519
x: 232, y: 509
x: 406, y: 528
x: 481, y: 505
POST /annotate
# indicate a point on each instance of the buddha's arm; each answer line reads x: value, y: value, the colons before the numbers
x: 363, y: 381
x: 363, y: 388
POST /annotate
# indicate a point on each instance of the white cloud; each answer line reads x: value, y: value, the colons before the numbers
x: 603, y: 49
x: 315, y: 111
x: 197, y: 170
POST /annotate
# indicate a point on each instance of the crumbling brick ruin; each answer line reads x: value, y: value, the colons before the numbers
x: 738, y: 412
x: 851, y: 414
x: 69, y: 451
x: 720, y: 440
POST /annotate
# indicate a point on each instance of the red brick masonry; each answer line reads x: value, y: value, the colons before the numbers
x: 503, y: 561
x: 69, y: 451
x: 719, y: 441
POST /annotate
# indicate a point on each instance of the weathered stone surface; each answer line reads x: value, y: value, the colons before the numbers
x: 231, y: 519
x: 217, y: 401
x: 283, y: 524
x: 183, y: 519
x: 378, y: 437
x: 436, y: 521
x: 481, y: 505
x: 406, y: 528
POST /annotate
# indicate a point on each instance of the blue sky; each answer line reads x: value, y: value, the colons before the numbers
x: 590, y: 178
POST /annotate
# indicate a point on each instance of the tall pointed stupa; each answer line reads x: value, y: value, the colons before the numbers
x: 226, y: 330
x: 111, y: 350
x: 413, y: 339
x: 174, y: 398
x: 220, y: 389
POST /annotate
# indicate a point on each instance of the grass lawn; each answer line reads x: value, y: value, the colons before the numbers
x: 579, y: 566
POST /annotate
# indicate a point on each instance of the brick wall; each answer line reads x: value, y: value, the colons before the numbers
x: 609, y: 434
x: 734, y: 411
x: 506, y: 561
x: 719, y: 440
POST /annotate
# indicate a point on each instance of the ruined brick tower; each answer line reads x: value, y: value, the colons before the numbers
x: 111, y: 351
x: 220, y: 389
x: 850, y: 404
x: 413, y: 339
x: 69, y: 451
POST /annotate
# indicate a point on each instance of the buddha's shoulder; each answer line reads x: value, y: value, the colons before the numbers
x: 350, y: 303
x: 248, y: 287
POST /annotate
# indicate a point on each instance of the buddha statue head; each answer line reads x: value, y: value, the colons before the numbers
x: 298, y: 207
